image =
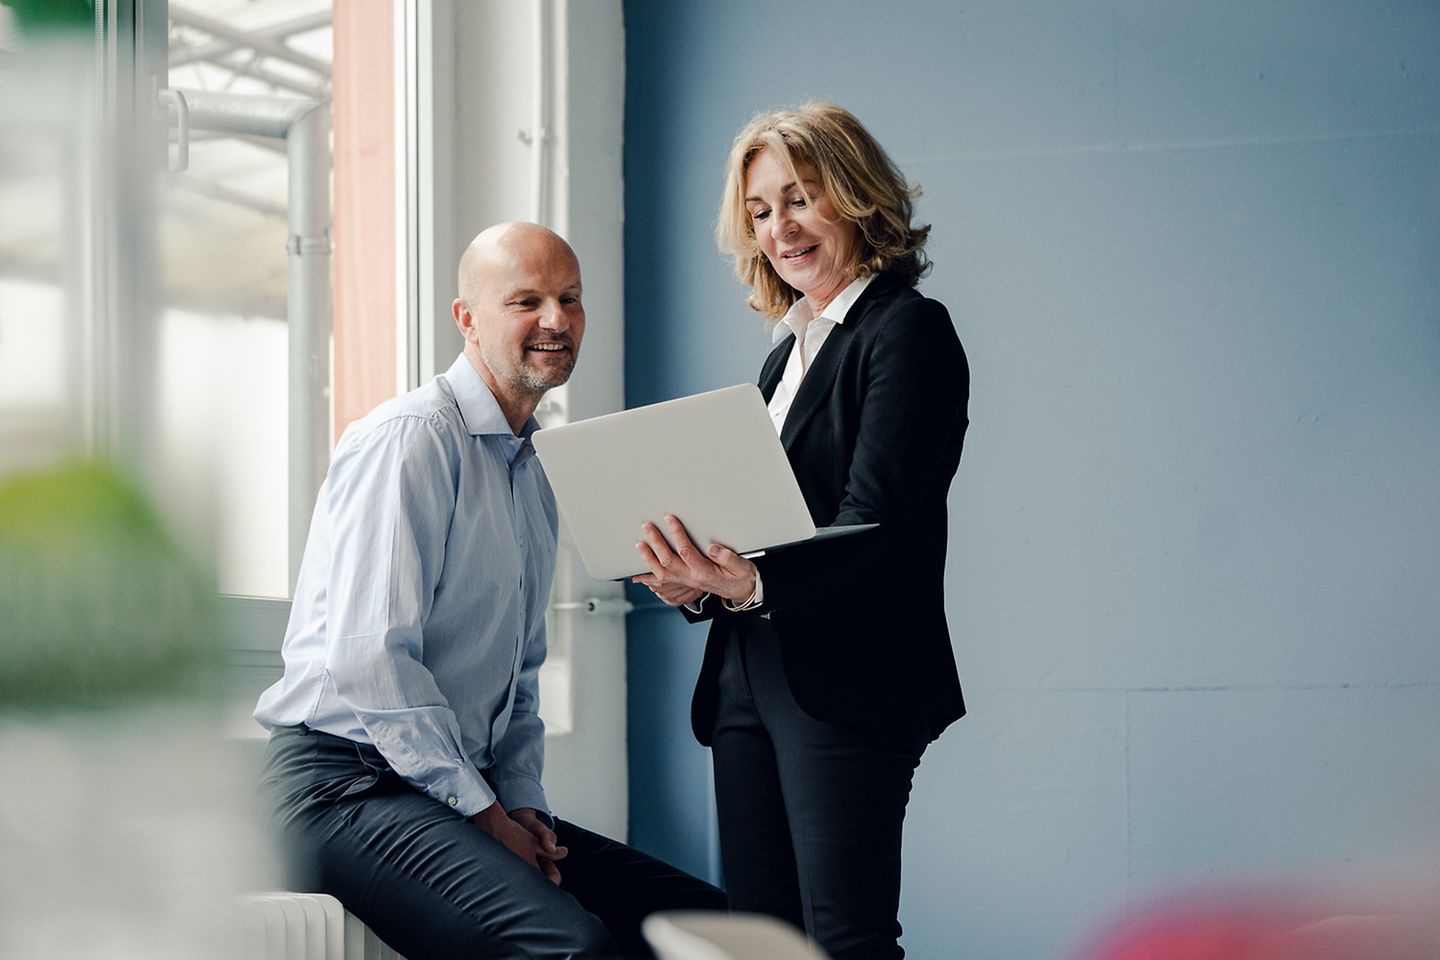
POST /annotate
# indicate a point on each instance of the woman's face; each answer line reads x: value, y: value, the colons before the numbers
x: 809, y: 246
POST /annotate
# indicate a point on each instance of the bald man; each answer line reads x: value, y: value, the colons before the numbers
x: 403, y: 771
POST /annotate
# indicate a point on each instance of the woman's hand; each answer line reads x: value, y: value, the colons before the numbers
x: 672, y: 594
x: 680, y: 572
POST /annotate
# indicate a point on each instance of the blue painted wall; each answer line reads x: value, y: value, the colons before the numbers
x: 1194, y: 583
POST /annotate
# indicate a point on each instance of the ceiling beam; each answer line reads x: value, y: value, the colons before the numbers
x: 275, y: 31
x: 237, y: 64
x: 269, y: 46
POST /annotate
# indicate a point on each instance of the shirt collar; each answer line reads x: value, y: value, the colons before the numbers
x: 478, y: 406
x: 799, y: 313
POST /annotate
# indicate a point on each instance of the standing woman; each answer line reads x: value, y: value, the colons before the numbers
x: 828, y: 667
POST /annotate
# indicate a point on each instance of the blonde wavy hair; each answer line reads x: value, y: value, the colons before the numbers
x: 863, y: 184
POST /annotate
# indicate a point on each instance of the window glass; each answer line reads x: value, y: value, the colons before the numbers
x: 41, y: 131
x: 223, y: 390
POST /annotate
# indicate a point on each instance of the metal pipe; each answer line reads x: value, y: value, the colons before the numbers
x: 248, y: 114
x: 309, y: 312
x: 266, y: 45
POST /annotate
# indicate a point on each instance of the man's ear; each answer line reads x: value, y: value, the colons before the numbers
x: 464, y: 319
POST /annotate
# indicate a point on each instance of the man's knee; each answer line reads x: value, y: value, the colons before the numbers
x: 582, y: 935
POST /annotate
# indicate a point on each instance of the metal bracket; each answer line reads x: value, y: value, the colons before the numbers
x: 596, y: 607
x: 300, y: 246
x: 164, y: 99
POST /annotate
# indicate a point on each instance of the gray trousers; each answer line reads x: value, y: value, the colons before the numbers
x: 431, y: 884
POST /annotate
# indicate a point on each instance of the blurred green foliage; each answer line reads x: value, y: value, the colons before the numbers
x: 42, y: 16
x: 99, y: 606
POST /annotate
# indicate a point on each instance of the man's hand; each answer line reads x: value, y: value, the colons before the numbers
x: 519, y: 841
x: 681, y: 571
x: 547, y: 850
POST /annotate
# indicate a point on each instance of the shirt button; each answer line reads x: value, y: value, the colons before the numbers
x: 454, y: 802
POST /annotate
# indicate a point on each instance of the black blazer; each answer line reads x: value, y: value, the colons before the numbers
x: 874, y: 436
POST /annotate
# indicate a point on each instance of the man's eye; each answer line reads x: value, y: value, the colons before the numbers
x: 569, y: 299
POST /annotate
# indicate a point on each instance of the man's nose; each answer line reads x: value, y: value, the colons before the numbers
x: 553, y: 316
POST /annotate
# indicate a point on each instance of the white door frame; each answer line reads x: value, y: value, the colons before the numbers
x: 473, y: 162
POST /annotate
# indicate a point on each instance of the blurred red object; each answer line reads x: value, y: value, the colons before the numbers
x: 1251, y: 931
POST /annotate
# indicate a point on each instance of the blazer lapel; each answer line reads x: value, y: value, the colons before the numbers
x: 816, y: 385
x: 774, y: 368
x: 819, y: 379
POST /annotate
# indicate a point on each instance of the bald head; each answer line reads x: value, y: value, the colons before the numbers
x: 505, y: 246
x: 519, y: 311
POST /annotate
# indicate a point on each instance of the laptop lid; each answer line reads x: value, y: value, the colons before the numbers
x: 713, y: 460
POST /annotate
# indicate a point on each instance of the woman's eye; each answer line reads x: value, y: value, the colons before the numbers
x: 759, y: 214
x: 798, y: 202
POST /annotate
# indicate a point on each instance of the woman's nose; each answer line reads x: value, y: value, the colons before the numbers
x: 782, y: 225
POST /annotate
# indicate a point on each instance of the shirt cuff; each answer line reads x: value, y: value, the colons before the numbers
x: 466, y: 795
x: 759, y: 588
x: 518, y: 792
x: 697, y: 605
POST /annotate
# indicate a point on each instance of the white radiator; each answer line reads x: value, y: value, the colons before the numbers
x: 303, y: 926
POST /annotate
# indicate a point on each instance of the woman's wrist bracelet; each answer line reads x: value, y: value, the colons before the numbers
x: 749, y: 603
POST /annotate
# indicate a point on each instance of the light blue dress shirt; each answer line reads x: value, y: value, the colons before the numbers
x: 419, y: 616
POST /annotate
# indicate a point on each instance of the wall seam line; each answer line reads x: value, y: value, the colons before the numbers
x: 1125, y: 147
x: 1129, y: 811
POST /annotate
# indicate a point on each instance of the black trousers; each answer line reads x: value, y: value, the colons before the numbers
x: 431, y: 884
x: 810, y: 811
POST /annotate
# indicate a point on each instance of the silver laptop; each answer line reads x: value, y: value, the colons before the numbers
x: 713, y: 460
